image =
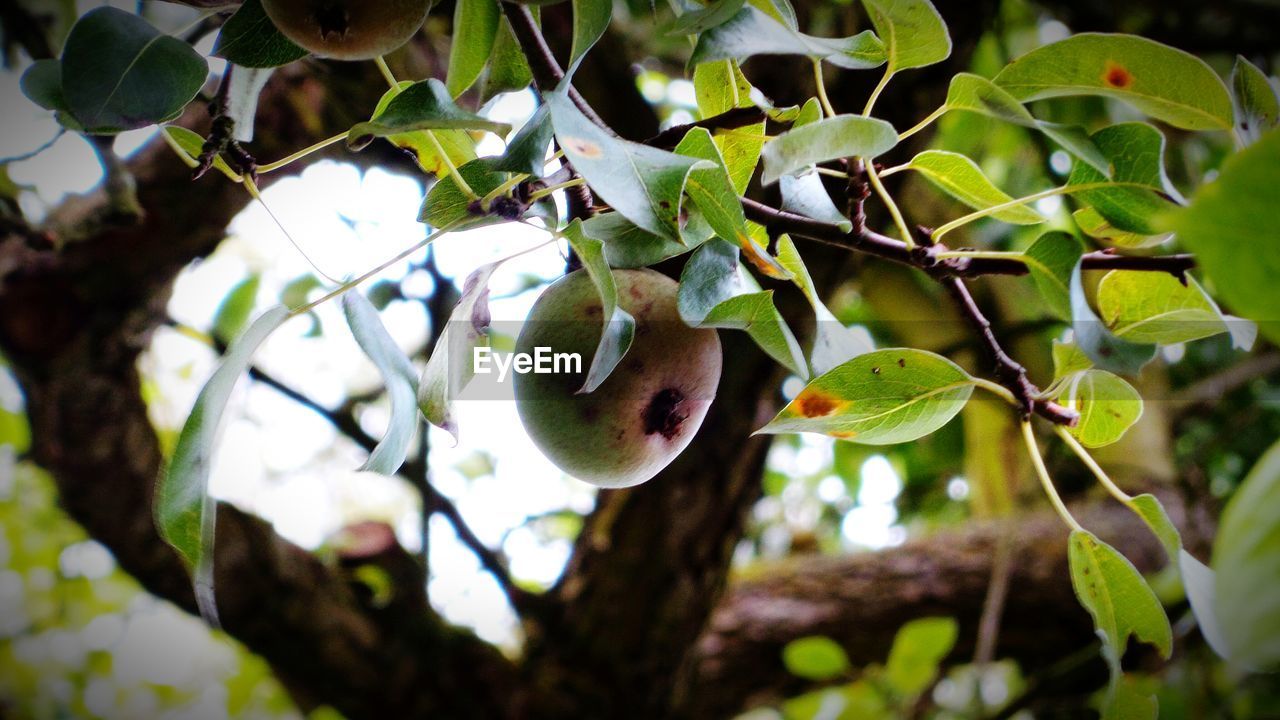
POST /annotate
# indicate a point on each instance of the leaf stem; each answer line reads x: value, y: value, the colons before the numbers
x: 252, y: 188
x: 344, y: 287
x: 1045, y: 481
x: 386, y: 72
x: 502, y: 189
x: 893, y: 207
x: 822, y: 88
x: 996, y: 389
x: 833, y: 173
x: 923, y: 123
x: 270, y: 167
x: 539, y: 194
x: 1017, y: 202
x: 1093, y: 466
x: 875, y: 94
x: 456, y: 176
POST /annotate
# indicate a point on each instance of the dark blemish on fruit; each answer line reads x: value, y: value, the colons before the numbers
x: 1116, y: 76
x: 333, y: 20
x: 875, y: 371
x: 665, y: 413
x: 635, y: 366
x: 902, y: 362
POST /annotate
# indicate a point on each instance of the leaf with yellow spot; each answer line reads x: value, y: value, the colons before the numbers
x: 880, y: 398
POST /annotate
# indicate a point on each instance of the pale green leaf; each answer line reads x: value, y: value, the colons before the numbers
x: 815, y: 658
x: 1149, y: 508
x: 1231, y: 228
x: 913, y: 32
x: 399, y: 377
x: 696, y: 20
x: 836, y: 137
x: 721, y: 87
x: 508, y: 67
x: 1125, y: 702
x: 430, y: 148
x: 1050, y: 260
x: 619, y: 328
x: 450, y: 366
x: 447, y: 206
x: 962, y: 179
x: 882, y: 397
x: 1165, y: 83
x: 1108, y: 406
x: 1118, y: 598
x: 233, y: 313
x: 1157, y: 308
x: 527, y: 150
x: 1107, y: 351
x: 1136, y: 153
x: 1092, y: 223
x: 1068, y: 358
x: 475, y: 28
x: 642, y: 183
x: 1257, y: 105
x: 804, y: 194
x: 628, y: 246
x: 590, y: 20
x: 918, y: 650
x: 1201, y: 585
x: 833, y: 343
x: 425, y: 105
x: 753, y: 32
x: 184, y: 510
x: 1246, y: 561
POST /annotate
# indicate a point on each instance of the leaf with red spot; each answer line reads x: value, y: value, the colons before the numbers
x: 1165, y: 83
x: 880, y: 398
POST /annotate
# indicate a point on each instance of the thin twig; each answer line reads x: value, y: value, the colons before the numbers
x: 727, y: 120
x: 546, y: 71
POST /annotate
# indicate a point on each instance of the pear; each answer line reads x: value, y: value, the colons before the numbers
x: 647, y: 411
x: 348, y: 29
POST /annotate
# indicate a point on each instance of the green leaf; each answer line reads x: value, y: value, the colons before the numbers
x: 250, y: 40
x: 424, y: 105
x: 508, y: 67
x: 475, y: 28
x: 233, y: 314
x: 120, y: 73
x: 833, y: 343
x: 628, y: 246
x: 1126, y: 702
x: 804, y: 194
x: 642, y: 183
x: 913, y: 32
x: 721, y: 87
x: 590, y: 20
x: 1231, y: 228
x: 527, y: 150
x: 192, y: 144
x: 1149, y: 508
x: 1163, y: 82
x: 1257, y: 107
x: 447, y: 206
x: 962, y: 179
x: 1157, y: 308
x: 42, y: 84
x: 185, y: 513
x: 399, y: 377
x: 700, y: 19
x: 837, y: 137
x: 1201, y: 584
x: 882, y: 397
x: 918, y: 649
x: 1108, y: 406
x: 1120, y: 601
x: 1136, y: 154
x: 713, y: 193
x: 1092, y: 223
x: 815, y: 658
x: 1050, y: 260
x: 716, y: 293
x: 974, y: 93
x: 1246, y: 560
x: 430, y: 148
x: 1106, y: 350
x: 619, y: 327
x: 753, y: 32
x: 450, y: 366
x: 1068, y: 358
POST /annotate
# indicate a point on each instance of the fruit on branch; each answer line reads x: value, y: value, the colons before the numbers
x: 348, y: 29
x: 648, y: 409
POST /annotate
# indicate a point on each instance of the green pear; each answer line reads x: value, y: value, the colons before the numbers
x: 348, y: 29
x: 648, y: 409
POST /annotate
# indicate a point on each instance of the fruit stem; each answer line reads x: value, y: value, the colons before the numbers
x: 386, y: 72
